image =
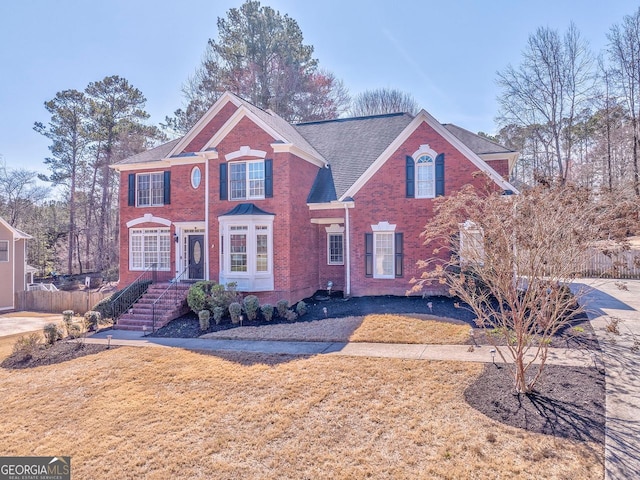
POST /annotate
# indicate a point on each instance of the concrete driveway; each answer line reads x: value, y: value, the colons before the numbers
x: 20, y: 322
x: 608, y: 302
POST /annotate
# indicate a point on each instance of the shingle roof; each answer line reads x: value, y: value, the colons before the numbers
x: 153, y: 155
x: 479, y: 145
x: 351, y: 145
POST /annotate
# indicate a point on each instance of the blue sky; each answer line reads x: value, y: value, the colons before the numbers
x: 445, y: 54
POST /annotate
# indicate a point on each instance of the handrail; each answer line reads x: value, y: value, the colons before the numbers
x: 173, y: 287
x: 133, y: 291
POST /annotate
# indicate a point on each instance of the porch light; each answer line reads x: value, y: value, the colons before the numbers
x: 493, y: 355
x: 175, y: 237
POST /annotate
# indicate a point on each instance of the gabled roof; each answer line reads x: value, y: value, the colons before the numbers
x: 479, y: 145
x: 351, y: 145
x: 323, y: 189
x: 17, y: 234
x: 152, y: 155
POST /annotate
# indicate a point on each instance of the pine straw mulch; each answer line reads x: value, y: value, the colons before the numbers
x: 61, y: 351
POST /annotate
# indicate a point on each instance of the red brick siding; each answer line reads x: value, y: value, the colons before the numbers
x: 501, y: 166
x: 211, y: 128
x: 383, y: 198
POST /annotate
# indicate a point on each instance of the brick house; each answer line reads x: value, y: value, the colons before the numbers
x: 283, y: 209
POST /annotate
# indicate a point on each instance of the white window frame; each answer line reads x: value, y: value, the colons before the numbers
x: 380, y: 230
x: 253, y: 279
x: 247, y: 180
x: 4, y: 242
x: 140, y: 264
x: 425, y: 152
x: 196, y: 177
x: 335, y: 231
x: 151, y: 203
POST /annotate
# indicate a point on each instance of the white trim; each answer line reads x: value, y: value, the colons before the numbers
x: 334, y: 231
x: 334, y: 204
x: 165, y: 162
x: 225, y: 98
x: 327, y: 221
x: 148, y: 217
x: 511, y: 157
x: 8, y: 251
x: 233, y: 121
x: 424, y: 150
x: 424, y: 117
x: 376, y: 234
x: 247, y: 186
x: 160, y: 232
x: 383, y: 227
x: 334, y: 228
x: 347, y: 247
x: 14, y: 231
x: 299, y: 152
x: 245, y: 151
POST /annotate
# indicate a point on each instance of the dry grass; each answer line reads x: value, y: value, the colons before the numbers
x: 160, y: 413
x: 371, y: 328
x: 410, y: 329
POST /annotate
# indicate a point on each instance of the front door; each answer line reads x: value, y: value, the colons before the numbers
x: 196, y: 257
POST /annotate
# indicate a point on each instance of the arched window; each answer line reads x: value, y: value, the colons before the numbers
x: 425, y: 177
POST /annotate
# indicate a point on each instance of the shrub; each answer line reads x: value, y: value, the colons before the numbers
x: 301, y: 308
x: 103, y: 307
x: 203, y: 317
x: 267, y: 312
x: 52, y: 333
x: 197, y: 297
x: 283, y: 307
x: 121, y: 300
x: 67, y: 316
x: 235, y: 310
x: 76, y: 330
x: 218, y: 313
x: 92, y: 319
x: 291, y: 316
x: 26, y: 345
x: 251, y: 306
x: 207, y: 295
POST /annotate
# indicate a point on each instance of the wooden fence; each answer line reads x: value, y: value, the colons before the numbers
x: 615, y: 265
x: 80, y: 301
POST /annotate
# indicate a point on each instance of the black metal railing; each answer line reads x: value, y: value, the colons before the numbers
x: 169, y: 297
x: 130, y: 295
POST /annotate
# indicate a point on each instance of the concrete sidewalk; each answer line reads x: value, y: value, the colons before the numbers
x: 557, y: 356
x: 606, y: 301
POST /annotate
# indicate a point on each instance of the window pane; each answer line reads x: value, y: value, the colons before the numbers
x: 238, y: 181
x: 157, y: 189
x: 335, y: 249
x: 4, y: 251
x: 143, y: 190
x: 256, y: 179
x: 149, y: 247
x: 384, y: 254
x: 261, y: 253
x: 425, y: 184
x: 238, y: 252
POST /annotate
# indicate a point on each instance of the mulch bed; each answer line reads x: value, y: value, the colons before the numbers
x: 569, y: 402
x: 61, y: 351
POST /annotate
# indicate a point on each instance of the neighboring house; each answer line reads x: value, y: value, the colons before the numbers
x: 283, y: 209
x: 14, y: 271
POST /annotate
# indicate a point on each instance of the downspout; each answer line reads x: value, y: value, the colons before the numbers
x: 347, y: 240
x: 206, y: 217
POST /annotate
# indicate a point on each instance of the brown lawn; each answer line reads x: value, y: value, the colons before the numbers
x: 409, y: 329
x: 160, y: 413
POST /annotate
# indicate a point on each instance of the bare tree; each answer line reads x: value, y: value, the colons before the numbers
x: 511, y: 260
x: 624, y: 53
x: 548, y: 88
x: 381, y: 101
x: 19, y: 194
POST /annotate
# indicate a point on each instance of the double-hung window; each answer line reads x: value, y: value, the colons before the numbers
x: 148, y: 248
x: 425, y: 177
x: 335, y: 245
x: 384, y: 252
x: 246, y: 180
x: 4, y: 250
x: 150, y: 189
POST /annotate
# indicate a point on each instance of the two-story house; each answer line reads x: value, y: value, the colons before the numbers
x: 282, y: 209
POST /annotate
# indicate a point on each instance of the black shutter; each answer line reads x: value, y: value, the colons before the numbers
x: 268, y: 178
x: 223, y: 181
x: 132, y: 189
x: 399, y: 254
x: 167, y: 188
x: 440, y: 175
x: 411, y: 179
x: 368, y: 254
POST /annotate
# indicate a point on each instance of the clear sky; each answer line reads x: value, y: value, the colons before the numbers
x: 445, y: 53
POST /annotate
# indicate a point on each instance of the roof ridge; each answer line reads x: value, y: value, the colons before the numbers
x: 347, y: 119
x: 472, y: 133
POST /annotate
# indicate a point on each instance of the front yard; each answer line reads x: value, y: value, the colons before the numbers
x: 167, y: 413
